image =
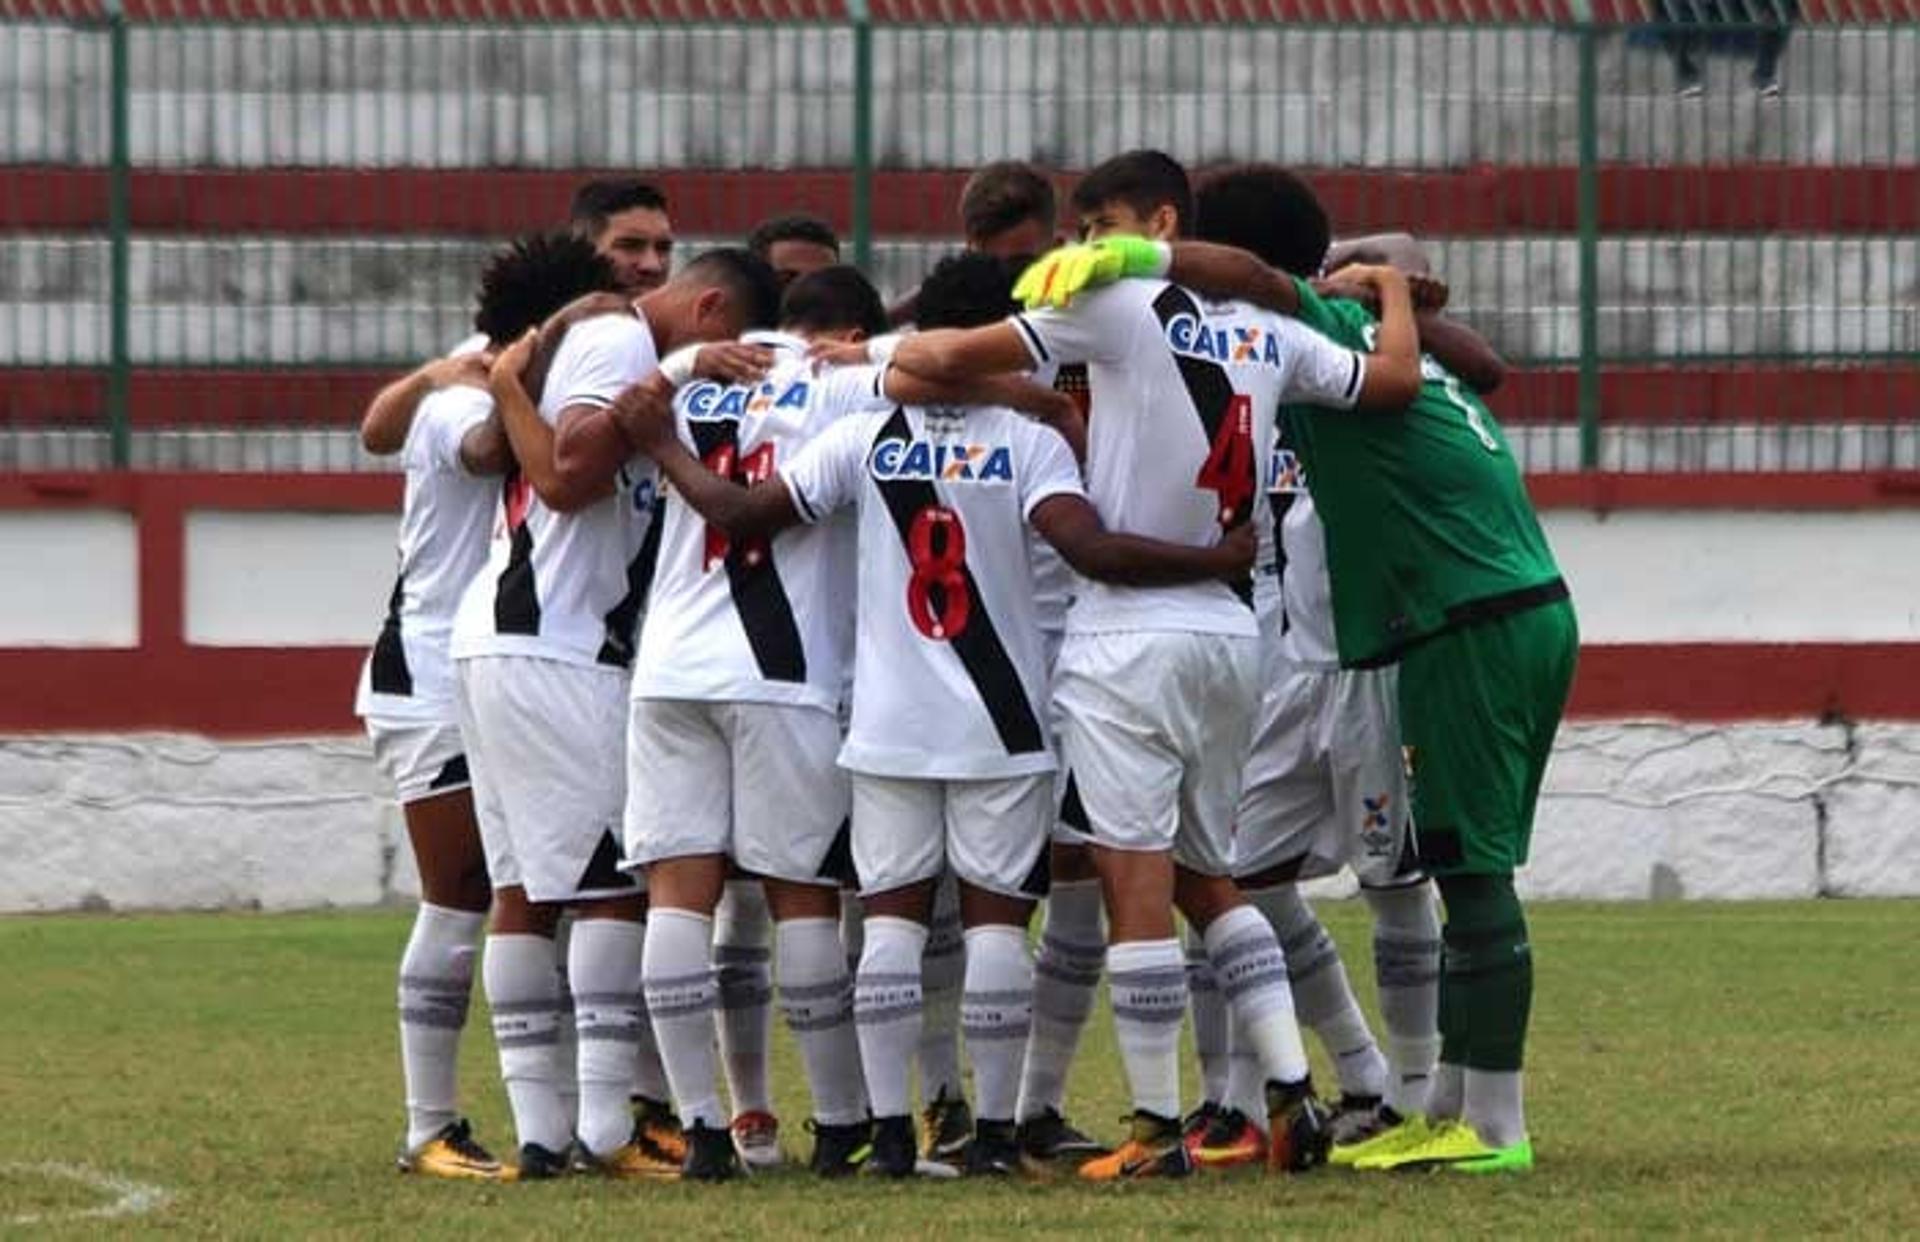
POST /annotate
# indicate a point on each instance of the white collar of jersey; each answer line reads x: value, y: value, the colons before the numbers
x: 775, y: 340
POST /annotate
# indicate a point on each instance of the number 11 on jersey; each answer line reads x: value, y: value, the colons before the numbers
x: 726, y: 462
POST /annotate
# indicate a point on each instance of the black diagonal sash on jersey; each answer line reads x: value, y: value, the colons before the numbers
x: 766, y: 614
x: 387, y: 672
x: 978, y: 645
x: 516, y: 596
x: 1212, y: 392
x: 617, y: 648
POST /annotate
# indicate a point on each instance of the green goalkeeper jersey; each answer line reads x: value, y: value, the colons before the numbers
x: 1428, y: 523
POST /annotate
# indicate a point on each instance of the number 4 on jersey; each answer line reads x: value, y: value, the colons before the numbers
x: 1229, y: 471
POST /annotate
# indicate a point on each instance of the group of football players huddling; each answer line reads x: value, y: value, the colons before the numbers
x: 754, y: 640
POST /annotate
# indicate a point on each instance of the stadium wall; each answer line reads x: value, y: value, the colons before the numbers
x: 179, y: 652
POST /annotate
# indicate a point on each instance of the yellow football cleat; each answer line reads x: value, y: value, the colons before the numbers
x: 452, y: 1153
x: 658, y: 1130
x: 632, y: 1161
x: 1409, y: 1130
x: 1454, y: 1144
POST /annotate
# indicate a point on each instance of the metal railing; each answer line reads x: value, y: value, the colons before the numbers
x: 219, y: 226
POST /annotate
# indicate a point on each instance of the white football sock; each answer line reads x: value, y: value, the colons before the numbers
x: 566, y: 1051
x: 1246, y: 1085
x: 523, y: 992
x: 943, y: 969
x: 1148, y: 980
x: 436, y: 985
x: 1448, y: 1098
x: 1210, y: 1025
x: 1252, y: 973
x: 817, y: 995
x: 1066, y: 977
x: 1323, y: 999
x: 682, y: 995
x: 887, y: 1009
x: 1406, y: 967
x: 743, y: 954
x: 996, y: 1012
x: 603, y: 965
x: 1494, y: 1106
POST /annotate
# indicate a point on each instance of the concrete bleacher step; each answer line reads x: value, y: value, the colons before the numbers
x: 782, y: 97
x: 321, y: 299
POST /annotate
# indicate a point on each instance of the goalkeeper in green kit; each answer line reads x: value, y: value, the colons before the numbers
x: 1437, y: 562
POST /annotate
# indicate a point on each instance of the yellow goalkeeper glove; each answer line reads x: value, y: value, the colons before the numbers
x: 1058, y: 277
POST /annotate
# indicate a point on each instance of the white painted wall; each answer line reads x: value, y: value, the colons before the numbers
x: 1630, y: 811
x: 292, y: 579
x: 74, y: 579
x: 287, y: 579
x: 1655, y: 576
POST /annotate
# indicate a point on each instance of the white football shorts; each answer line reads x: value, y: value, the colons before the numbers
x: 754, y: 781
x: 1154, y: 729
x: 546, y: 742
x: 423, y: 758
x: 1326, y: 786
x: 991, y: 832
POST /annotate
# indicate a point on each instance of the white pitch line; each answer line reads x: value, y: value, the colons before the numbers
x: 131, y: 1198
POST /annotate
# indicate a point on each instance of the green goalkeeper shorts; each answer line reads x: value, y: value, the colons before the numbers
x: 1478, y: 710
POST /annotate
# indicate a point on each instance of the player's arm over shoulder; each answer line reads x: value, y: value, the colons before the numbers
x: 1387, y: 378
x: 597, y: 360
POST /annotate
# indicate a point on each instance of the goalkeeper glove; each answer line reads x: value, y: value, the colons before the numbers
x: 1057, y: 278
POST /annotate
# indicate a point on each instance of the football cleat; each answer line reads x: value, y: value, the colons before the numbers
x: 1154, y: 1148
x: 710, y: 1155
x: 756, y: 1136
x: 452, y: 1153
x: 1297, y: 1134
x: 947, y: 1126
x: 1402, y: 1132
x: 1050, y: 1136
x: 839, y: 1151
x: 1353, y: 1130
x: 1229, y: 1139
x: 1453, y: 1144
x: 537, y: 1164
x: 635, y: 1160
x: 1196, y: 1122
x: 893, y: 1148
x: 995, y: 1151
x: 657, y: 1129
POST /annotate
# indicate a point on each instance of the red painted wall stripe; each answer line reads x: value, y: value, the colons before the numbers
x: 1629, y: 396
x: 1482, y: 201
x: 1749, y: 681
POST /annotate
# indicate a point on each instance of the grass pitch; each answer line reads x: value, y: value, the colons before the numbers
x: 1733, y: 1070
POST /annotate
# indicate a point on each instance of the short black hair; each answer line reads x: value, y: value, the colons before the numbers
x: 748, y: 279
x: 792, y: 228
x: 600, y: 200
x: 965, y: 290
x: 533, y: 277
x: 1266, y: 209
x: 1002, y: 194
x: 1143, y: 180
x: 833, y: 299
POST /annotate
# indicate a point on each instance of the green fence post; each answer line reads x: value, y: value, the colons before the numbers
x: 119, y: 176
x: 861, y: 17
x: 1589, y: 183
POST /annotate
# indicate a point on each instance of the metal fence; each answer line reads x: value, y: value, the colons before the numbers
x: 219, y: 230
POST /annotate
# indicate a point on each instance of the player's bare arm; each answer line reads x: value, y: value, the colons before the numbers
x: 538, y: 448
x: 1016, y: 392
x: 1455, y: 346
x: 955, y: 355
x: 591, y: 306
x: 1392, y: 377
x: 389, y: 416
x: 1072, y: 525
x: 644, y: 413
x: 485, y: 449
x: 1462, y: 351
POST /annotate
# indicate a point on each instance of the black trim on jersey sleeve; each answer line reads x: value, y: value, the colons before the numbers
x: 1211, y: 393
x: 978, y: 645
x: 387, y: 673
x: 1354, y: 378
x: 759, y: 596
x: 1034, y: 343
x: 516, y: 595
x: 622, y: 621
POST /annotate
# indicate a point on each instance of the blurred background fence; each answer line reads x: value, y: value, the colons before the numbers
x: 223, y: 225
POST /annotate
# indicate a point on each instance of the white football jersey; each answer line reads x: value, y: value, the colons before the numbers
x: 444, y: 527
x: 571, y: 586
x: 761, y: 621
x: 1185, y: 394
x: 950, y: 679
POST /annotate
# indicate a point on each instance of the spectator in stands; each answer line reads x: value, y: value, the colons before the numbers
x: 795, y: 246
x: 1762, y: 25
x: 626, y: 220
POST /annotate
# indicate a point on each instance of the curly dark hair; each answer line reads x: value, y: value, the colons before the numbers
x: 1266, y: 209
x: 533, y: 277
x: 965, y: 290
